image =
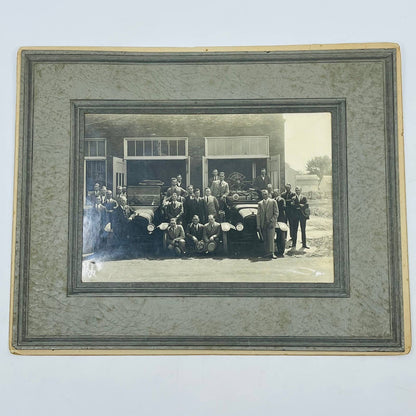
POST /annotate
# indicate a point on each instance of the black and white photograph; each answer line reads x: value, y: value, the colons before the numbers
x: 183, y: 197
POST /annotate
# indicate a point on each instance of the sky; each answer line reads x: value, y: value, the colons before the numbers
x: 308, y: 132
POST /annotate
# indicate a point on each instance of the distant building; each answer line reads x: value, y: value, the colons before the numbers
x: 326, y: 185
x: 308, y: 183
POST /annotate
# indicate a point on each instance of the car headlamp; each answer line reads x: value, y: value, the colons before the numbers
x: 225, y: 226
x: 150, y: 228
x: 239, y: 226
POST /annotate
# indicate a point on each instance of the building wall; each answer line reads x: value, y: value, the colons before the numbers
x: 116, y: 127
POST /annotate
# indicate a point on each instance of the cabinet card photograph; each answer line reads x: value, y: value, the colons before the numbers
x: 208, y: 197
x: 212, y: 201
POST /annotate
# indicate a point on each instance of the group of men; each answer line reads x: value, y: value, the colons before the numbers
x: 274, y: 211
x: 193, y: 225
x: 194, y: 220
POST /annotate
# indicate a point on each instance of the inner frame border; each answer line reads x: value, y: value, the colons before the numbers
x: 336, y: 107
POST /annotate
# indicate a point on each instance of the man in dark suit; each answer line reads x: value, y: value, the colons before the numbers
x: 287, y: 196
x: 199, y: 206
x: 175, y: 237
x: 180, y: 182
x: 280, y: 234
x: 189, y: 204
x: 267, y: 213
x: 194, y: 234
x: 261, y: 182
x: 174, y: 209
x: 300, y: 215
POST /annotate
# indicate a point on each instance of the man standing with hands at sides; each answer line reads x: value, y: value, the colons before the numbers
x: 211, y: 206
x: 267, y: 213
x: 300, y: 215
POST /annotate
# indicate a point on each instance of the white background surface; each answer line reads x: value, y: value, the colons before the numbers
x: 207, y: 385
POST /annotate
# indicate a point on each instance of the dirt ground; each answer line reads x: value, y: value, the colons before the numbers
x: 299, y: 265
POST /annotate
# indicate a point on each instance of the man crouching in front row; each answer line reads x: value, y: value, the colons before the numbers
x: 175, y: 237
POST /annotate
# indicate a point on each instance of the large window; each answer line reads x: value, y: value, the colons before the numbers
x: 161, y: 147
x: 95, y: 148
x: 237, y: 146
x: 95, y: 152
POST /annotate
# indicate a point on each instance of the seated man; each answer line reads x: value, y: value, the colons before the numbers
x: 174, y: 209
x: 175, y: 237
x: 211, y: 233
x: 194, y: 234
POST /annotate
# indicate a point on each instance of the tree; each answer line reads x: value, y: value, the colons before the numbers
x: 319, y: 166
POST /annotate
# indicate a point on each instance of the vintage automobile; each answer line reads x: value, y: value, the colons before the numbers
x: 239, y: 226
x: 144, y: 214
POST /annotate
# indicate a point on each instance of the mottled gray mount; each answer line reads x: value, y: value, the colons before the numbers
x: 340, y: 288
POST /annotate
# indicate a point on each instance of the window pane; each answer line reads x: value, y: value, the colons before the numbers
x: 130, y: 148
x: 156, y: 147
x: 86, y: 149
x: 147, y: 148
x: 164, y: 148
x: 181, y: 147
x: 139, y: 148
x: 93, y: 148
x: 173, y: 148
x: 101, y: 148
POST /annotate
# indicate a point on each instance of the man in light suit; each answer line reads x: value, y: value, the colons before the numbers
x: 211, y: 206
x: 212, y: 230
x: 267, y: 213
x: 175, y: 237
x: 220, y: 190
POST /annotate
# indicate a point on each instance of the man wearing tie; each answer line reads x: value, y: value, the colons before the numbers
x: 194, y: 233
x: 300, y: 215
x: 220, y: 190
x: 175, y: 237
x: 211, y: 231
x: 267, y: 213
x: 174, y: 209
x: 211, y: 206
